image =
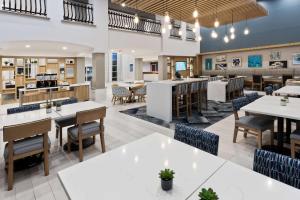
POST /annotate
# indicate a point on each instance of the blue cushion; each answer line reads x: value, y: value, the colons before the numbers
x: 279, y: 167
x: 198, y: 138
x: 87, y: 129
x: 252, y: 96
x: 23, y: 108
x: 27, y: 145
x: 269, y: 90
x: 238, y: 103
x: 257, y: 122
x: 66, y: 121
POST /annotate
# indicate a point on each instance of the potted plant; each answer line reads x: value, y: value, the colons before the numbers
x: 48, y: 108
x: 166, y: 177
x: 286, y: 98
x: 208, y: 194
x: 58, y: 106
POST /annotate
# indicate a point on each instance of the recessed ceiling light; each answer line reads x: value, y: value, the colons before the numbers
x: 27, y: 46
x: 64, y: 48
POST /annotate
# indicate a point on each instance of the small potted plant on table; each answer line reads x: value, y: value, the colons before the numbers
x: 58, y: 106
x: 166, y: 177
x: 208, y: 194
x: 48, y: 107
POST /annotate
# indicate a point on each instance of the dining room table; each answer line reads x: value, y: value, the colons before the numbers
x: 271, y: 106
x: 289, y: 90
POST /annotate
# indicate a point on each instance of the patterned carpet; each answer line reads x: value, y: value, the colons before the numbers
x: 216, y: 111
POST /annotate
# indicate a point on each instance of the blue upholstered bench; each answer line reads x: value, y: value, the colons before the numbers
x: 23, y: 108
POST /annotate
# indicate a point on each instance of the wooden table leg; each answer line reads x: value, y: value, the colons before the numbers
x: 280, y: 122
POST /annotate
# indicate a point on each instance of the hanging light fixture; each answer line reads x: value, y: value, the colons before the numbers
x: 123, y: 4
x: 199, y: 38
x: 216, y: 23
x: 214, y: 34
x: 232, y: 29
x: 167, y: 17
x: 136, y: 19
x: 226, y: 38
x: 169, y: 26
x: 246, y: 30
x: 163, y: 30
x: 180, y: 30
x: 197, y: 24
x: 232, y: 36
x: 196, y: 13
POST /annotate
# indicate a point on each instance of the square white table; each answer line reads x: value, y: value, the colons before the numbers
x: 71, y: 109
x: 270, y: 105
x: 234, y: 182
x: 131, y: 171
x: 289, y: 90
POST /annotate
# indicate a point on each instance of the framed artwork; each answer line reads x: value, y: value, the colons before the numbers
x: 208, y: 63
x: 296, y: 59
x: 275, y: 55
x: 222, y: 66
x: 255, y: 61
x: 236, y: 62
x: 221, y: 58
x: 278, y: 64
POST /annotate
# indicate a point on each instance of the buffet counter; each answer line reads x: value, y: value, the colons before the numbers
x: 79, y: 91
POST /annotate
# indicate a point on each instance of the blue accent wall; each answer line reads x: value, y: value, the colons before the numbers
x: 281, y: 26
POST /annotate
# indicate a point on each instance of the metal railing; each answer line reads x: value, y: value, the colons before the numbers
x: 32, y: 7
x: 174, y: 32
x: 78, y: 12
x: 190, y: 35
x: 125, y: 21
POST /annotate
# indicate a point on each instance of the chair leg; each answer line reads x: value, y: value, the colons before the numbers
x: 177, y: 107
x: 10, y: 169
x: 46, y: 157
x: 259, y: 140
x: 57, y: 130
x: 94, y: 139
x: 69, y: 144
x: 236, y: 129
x: 80, y: 149
x: 102, y: 142
x: 245, y: 133
x: 272, y: 137
x: 293, y: 149
x: 60, y: 136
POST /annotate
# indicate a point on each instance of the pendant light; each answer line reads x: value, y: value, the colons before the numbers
x: 246, y: 30
x: 169, y: 26
x: 216, y: 23
x: 196, y: 13
x: 163, y: 30
x: 123, y: 4
x: 180, y: 30
x: 199, y: 38
x: 197, y: 24
x: 136, y: 19
x: 232, y: 36
x: 167, y: 16
x: 214, y: 34
x: 226, y: 38
x: 232, y: 29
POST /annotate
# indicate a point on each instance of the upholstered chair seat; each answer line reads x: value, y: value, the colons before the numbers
x: 258, y: 123
x: 88, y: 129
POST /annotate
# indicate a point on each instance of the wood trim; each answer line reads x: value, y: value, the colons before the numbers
x: 252, y: 48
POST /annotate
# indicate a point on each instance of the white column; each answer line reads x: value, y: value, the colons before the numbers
x: 98, y: 60
x: 80, y: 70
x: 138, y: 69
x: 162, y: 68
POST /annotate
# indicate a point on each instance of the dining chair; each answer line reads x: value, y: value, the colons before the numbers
x: 295, y: 141
x: 87, y: 127
x: 269, y: 90
x: 24, y: 140
x: 279, y: 167
x: 286, y: 77
x: 257, y: 82
x: 230, y: 89
x: 120, y: 93
x: 181, y: 99
x: 251, y: 124
x: 64, y: 121
x: 201, y: 139
x: 23, y: 108
x: 140, y: 93
x: 253, y: 96
x: 194, y: 99
x: 203, y: 93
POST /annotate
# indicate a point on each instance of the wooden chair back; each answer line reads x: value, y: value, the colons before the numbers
x: 20, y: 131
x: 90, y: 115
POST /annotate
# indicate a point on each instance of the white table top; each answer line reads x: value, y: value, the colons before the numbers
x: 25, y: 117
x: 234, y: 182
x: 218, y: 82
x: 288, y: 90
x: 270, y: 105
x: 176, y: 82
x: 131, y: 171
x: 71, y: 109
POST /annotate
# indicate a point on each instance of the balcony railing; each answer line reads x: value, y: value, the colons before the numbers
x: 190, y: 35
x: 31, y: 7
x: 78, y: 12
x: 174, y: 32
x: 125, y: 21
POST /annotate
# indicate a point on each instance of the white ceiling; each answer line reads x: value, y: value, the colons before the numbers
x: 43, y: 48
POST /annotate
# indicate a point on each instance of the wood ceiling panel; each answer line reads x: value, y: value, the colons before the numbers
x: 208, y: 9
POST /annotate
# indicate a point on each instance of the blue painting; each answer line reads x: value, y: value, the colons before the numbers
x: 255, y: 61
x: 208, y: 64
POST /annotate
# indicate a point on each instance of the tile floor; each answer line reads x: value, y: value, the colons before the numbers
x: 119, y: 129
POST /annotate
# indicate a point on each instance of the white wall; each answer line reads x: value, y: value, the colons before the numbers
x: 25, y: 28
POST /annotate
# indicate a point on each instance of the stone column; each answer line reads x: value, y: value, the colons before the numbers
x: 162, y: 68
x: 80, y: 70
x: 98, y: 61
x: 138, y: 69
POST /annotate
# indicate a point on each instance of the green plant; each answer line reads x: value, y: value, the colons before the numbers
x: 166, y: 174
x: 208, y: 194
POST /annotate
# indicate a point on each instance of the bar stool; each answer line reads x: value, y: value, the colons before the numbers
x: 181, y: 98
x: 194, y: 98
x: 203, y: 92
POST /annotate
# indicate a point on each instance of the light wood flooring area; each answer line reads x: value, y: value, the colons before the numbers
x: 120, y: 129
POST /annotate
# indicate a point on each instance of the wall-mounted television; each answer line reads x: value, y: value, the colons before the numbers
x: 180, y: 66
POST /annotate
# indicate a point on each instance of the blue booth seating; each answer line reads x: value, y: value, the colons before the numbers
x: 23, y: 108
